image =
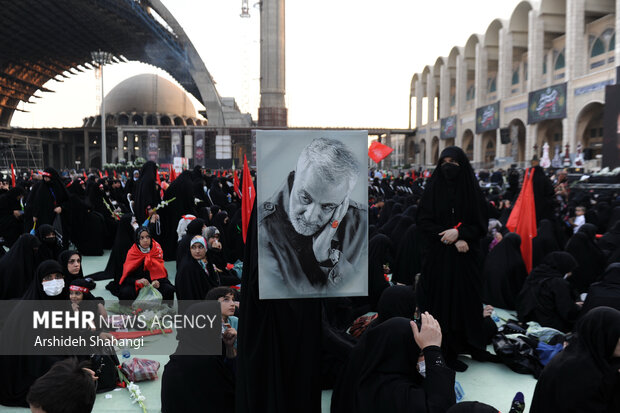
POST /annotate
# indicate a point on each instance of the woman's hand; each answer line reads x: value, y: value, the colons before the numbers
x: 449, y: 236
x: 429, y: 333
x: 144, y: 282
x: 155, y: 284
x: 461, y: 246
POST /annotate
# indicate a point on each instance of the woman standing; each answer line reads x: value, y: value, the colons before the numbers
x: 452, y: 220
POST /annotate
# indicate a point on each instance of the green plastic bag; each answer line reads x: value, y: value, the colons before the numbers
x: 148, y: 297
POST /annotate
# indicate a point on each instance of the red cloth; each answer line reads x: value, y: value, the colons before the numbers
x: 247, y: 198
x: 84, y: 173
x: 378, y: 151
x: 106, y: 174
x: 12, y: 176
x: 153, y: 262
x: 236, y: 183
x: 100, y: 175
x: 523, y: 218
x: 173, y: 174
x: 114, y: 172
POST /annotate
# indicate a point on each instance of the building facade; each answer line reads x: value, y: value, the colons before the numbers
x: 537, y: 78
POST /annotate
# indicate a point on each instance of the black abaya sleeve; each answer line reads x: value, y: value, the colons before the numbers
x: 439, y: 381
x: 564, y: 303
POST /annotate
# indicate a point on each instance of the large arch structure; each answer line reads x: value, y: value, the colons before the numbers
x: 51, y: 39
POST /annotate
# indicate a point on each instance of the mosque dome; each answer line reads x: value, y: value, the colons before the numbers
x: 148, y: 99
x: 151, y: 94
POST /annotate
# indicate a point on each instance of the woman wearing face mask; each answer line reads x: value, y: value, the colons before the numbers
x: 546, y: 296
x: 585, y: 377
x: 18, y: 372
x: 396, y: 367
x: 50, y: 247
x: 144, y: 266
x: 452, y: 220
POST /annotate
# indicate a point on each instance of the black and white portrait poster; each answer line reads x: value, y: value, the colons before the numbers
x: 312, y: 215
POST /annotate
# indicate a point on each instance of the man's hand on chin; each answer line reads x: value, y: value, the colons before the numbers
x: 322, y: 242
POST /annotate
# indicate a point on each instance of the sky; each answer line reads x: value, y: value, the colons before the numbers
x: 349, y: 63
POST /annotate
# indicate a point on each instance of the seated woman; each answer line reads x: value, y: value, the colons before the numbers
x: 144, y: 266
x: 196, y: 276
x: 18, y: 372
x: 546, y: 296
x: 504, y: 273
x: 605, y: 292
x: 385, y: 371
x: 195, y: 383
x: 584, y: 377
x: 226, y: 297
x: 50, y: 247
x: 71, y: 263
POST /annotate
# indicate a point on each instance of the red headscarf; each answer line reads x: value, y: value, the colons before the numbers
x: 153, y: 262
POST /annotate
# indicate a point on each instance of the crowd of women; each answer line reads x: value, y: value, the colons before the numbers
x: 440, y: 258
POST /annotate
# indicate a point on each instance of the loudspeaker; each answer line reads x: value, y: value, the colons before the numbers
x: 504, y: 135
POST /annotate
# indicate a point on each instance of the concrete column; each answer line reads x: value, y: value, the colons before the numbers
x: 61, y: 151
x: 73, y: 157
x: 617, y: 51
x: 419, y: 101
x: 50, y: 155
x: 461, y: 83
x: 430, y: 84
x: 504, y: 74
x: 120, y: 154
x: 576, y: 40
x: 481, y: 75
x: 535, y: 51
x: 477, y: 147
x: 549, y: 68
x: 85, y: 162
x: 569, y: 125
x: 444, y: 91
x: 272, y: 110
x: 531, y: 132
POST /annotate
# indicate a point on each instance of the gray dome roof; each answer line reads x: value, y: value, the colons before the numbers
x: 151, y: 94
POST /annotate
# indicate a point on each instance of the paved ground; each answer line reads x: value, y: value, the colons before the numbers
x: 486, y: 382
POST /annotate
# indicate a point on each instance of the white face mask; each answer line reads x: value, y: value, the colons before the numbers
x: 54, y: 287
x: 422, y: 368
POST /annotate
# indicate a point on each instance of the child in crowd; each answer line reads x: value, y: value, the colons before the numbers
x: 580, y: 218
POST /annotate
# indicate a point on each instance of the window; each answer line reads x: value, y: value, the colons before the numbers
x: 515, y: 77
x: 612, y: 43
x: 598, y: 48
x: 471, y: 93
x: 492, y: 85
x: 545, y: 65
x: 559, y: 62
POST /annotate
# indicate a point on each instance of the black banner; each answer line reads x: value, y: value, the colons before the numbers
x: 448, y: 127
x: 611, y: 127
x: 487, y: 118
x: 547, y: 103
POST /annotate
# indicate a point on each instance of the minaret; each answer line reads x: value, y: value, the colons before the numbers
x: 272, y: 110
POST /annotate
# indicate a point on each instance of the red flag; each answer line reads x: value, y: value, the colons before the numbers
x: 236, y: 183
x: 523, y: 218
x: 114, y: 172
x: 378, y: 151
x: 12, y: 176
x: 158, y: 180
x: 247, y: 198
x: 100, y: 175
x: 173, y: 174
x: 84, y: 173
x: 106, y: 174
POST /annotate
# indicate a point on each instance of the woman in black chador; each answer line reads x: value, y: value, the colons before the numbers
x: 452, y: 220
x: 584, y: 377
